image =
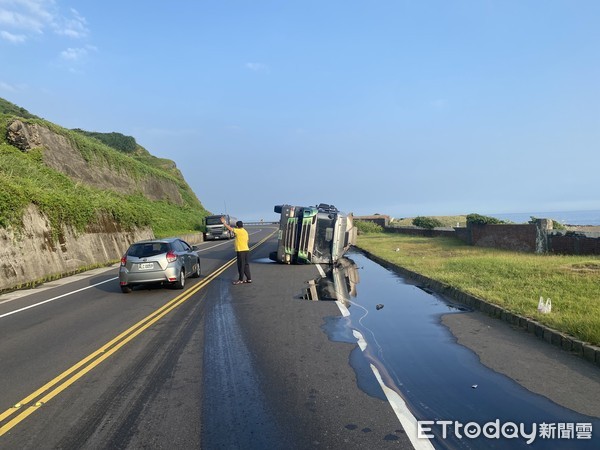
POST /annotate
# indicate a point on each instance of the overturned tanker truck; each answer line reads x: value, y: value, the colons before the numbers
x: 313, y: 234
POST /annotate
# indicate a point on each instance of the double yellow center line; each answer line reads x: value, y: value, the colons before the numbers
x: 47, y: 392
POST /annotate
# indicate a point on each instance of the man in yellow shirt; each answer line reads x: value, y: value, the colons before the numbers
x: 241, y: 249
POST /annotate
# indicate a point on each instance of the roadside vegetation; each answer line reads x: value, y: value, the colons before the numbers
x: 430, y: 222
x: 26, y: 180
x: 512, y: 280
x: 440, y: 221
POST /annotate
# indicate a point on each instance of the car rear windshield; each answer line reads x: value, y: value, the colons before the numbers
x: 144, y: 250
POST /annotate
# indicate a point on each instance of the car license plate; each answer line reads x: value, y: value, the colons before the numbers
x: 146, y: 266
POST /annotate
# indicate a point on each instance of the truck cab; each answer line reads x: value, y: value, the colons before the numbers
x: 215, y: 228
x: 313, y: 234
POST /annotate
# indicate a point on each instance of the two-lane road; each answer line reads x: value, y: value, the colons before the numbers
x: 213, y: 366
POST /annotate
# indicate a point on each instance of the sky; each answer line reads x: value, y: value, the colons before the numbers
x: 399, y: 107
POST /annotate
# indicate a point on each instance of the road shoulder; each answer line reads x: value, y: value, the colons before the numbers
x: 562, y: 377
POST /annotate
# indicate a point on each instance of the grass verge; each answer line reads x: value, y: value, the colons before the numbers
x: 512, y: 280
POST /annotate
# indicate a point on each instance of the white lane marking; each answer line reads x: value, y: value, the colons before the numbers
x: 408, y: 421
x: 345, y: 311
x: 216, y: 245
x: 321, y: 270
x: 406, y: 418
x: 88, y: 287
x: 56, y: 298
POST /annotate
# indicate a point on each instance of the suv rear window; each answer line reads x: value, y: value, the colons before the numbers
x: 144, y: 250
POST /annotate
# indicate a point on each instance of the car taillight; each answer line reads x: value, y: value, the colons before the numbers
x: 171, y: 257
x: 124, y: 260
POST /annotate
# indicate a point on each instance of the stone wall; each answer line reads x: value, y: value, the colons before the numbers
x: 32, y: 254
x: 572, y: 243
x: 531, y: 238
x: 521, y: 238
x: 380, y: 219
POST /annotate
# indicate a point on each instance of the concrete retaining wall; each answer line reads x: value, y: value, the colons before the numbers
x: 31, y: 254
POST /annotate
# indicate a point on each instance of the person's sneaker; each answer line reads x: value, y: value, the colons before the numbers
x: 237, y: 282
x: 248, y: 281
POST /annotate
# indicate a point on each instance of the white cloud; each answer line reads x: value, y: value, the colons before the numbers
x: 7, y: 87
x: 74, y: 27
x: 28, y: 16
x: 34, y: 17
x: 76, y: 54
x: 14, y: 38
x: 73, y: 54
x: 257, y: 67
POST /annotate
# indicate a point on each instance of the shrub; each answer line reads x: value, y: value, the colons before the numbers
x: 118, y: 141
x: 556, y: 225
x: 428, y: 223
x: 366, y: 226
x: 482, y: 220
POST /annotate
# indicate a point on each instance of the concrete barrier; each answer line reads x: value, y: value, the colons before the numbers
x: 32, y: 254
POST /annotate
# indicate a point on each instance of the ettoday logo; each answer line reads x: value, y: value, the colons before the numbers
x: 507, y: 430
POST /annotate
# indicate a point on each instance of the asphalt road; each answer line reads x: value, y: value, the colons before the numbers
x: 213, y: 366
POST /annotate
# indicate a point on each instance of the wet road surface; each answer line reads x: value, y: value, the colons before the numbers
x: 440, y: 379
x: 255, y: 366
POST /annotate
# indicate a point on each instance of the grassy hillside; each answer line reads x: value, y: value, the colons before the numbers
x: 25, y: 179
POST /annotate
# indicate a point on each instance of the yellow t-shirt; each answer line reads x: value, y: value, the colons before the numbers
x: 241, y: 240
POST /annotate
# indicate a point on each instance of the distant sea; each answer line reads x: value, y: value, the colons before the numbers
x: 565, y: 217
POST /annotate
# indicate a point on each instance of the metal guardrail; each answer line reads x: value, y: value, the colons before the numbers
x: 261, y: 223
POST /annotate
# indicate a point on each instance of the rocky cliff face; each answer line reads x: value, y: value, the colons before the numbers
x: 60, y: 154
x: 33, y: 253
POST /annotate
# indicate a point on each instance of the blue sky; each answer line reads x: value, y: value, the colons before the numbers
x: 396, y: 107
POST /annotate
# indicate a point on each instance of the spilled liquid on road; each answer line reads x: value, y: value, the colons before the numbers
x: 420, y: 359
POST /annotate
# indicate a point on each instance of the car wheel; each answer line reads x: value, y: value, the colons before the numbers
x: 125, y: 289
x: 180, y: 283
x: 197, y: 270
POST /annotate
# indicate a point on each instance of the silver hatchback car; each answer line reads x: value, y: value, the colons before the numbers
x: 156, y: 261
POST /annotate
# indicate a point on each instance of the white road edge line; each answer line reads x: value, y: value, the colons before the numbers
x: 56, y: 298
x: 408, y: 421
x: 79, y: 275
x: 406, y: 418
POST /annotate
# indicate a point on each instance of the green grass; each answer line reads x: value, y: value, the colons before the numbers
x: 512, y: 280
x: 25, y: 180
